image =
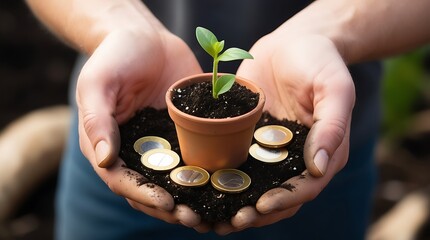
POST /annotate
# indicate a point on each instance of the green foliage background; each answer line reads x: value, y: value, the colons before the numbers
x: 405, y: 85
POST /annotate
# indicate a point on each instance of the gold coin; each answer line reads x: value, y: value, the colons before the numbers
x: 268, y: 155
x: 190, y: 176
x: 273, y: 136
x: 147, y: 143
x: 160, y: 159
x: 230, y: 180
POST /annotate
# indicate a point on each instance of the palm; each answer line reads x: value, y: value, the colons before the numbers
x: 294, y: 75
x: 304, y: 79
x: 136, y: 73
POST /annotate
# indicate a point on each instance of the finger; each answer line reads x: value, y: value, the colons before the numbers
x: 333, y: 103
x: 244, y: 217
x: 181, y: 214
x: 103, y: 132
x: 271, y: 218
x: 96, y: 99
x: 166, y: 216
x: 250, y: 217
x: 186, y: 216
x: 203, y: 227
x: 130, y: 184
x: 223, y: 228
x: 292, y: 193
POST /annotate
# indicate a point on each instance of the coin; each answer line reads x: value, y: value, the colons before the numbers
x: 230, y: 180
x: 147, y: 143
x: 268, y: 155
x: 273, y: 136
x: 160, y: 159
x: 190, y: 176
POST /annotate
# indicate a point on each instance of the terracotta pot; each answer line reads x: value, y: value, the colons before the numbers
x: 214, y: 144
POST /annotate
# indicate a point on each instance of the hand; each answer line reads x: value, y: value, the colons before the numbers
x: 128, y: 71
x: 305, y: 79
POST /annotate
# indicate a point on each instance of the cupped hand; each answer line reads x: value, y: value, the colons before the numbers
x: 130, y: 70
x: 305, y: 79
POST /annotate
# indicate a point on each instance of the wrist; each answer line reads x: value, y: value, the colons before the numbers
x: 330, y: 20
x: 364, y: 30
x: 88, y: 26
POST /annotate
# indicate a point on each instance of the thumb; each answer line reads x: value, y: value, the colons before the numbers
x: 103, y: 134
x: 328, y: 139
x: 96, y: 108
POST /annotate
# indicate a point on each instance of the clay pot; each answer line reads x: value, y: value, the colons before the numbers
x: 214, y: 144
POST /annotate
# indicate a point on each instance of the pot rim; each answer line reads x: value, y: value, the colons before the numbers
x: 197, y: 78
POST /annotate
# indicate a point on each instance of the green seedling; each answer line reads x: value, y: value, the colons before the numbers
x: 213, y: 47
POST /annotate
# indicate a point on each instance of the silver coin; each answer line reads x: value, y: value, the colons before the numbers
x: 190, y: 176
x: 273, y: 136
x: 230, y: 180
x: 160, y: 159
x: 147, y: 143
x: 268, y: 155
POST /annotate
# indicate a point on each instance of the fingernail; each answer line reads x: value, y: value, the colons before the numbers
x: 321, y: 161
x: 102, y: 153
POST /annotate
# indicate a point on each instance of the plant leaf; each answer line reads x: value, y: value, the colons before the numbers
x: 219, y: 46
x: 234, y: 54
x: 223, y: 84
x: 207, y: 40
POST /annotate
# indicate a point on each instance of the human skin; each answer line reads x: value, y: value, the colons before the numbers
x: 303, y: 63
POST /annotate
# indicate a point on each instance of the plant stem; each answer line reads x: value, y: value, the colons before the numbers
x: 214, y: 77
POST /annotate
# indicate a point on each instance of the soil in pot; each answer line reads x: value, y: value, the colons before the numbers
x: 196, y: 99
x: 209, y: 203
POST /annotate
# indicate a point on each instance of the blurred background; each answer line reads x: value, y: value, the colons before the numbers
x: 34, y: 73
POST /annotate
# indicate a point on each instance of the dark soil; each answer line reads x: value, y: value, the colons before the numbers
x: 212, y: 205
x: 197, y: 100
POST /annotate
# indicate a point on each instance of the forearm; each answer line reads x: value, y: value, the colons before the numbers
x: 83, y: 24
x: 365, y: 29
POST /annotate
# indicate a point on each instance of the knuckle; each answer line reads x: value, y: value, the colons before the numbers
x: 89, y: 121
x: 338, y: 129
x: 112, y: 187
x: 133, y: 204
x: 313, y: 193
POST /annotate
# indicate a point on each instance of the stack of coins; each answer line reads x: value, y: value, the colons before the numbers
x: 271, y: 140
x: 156, y: 153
